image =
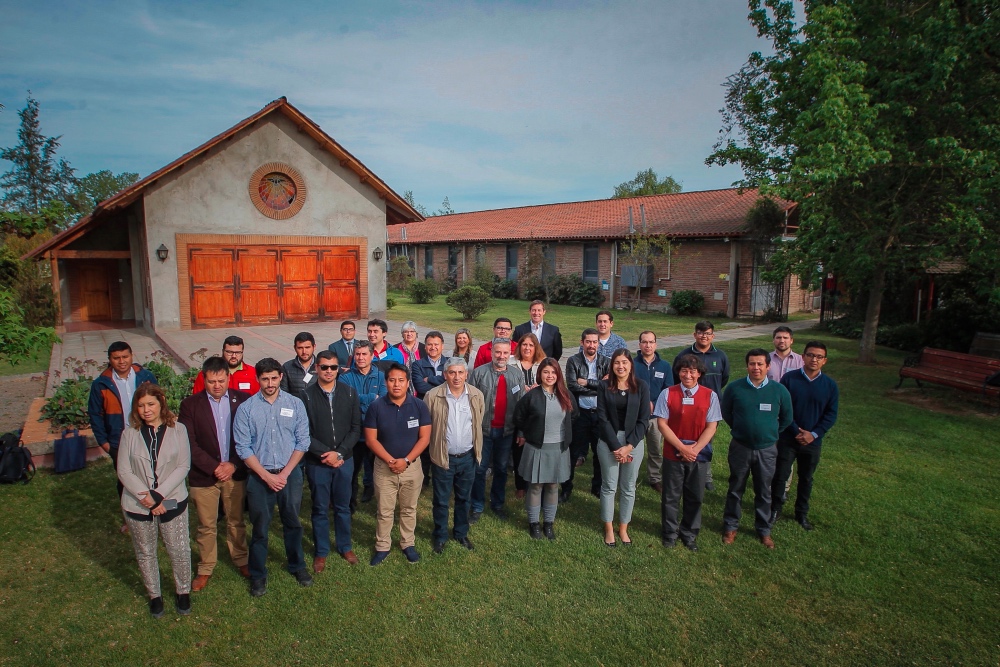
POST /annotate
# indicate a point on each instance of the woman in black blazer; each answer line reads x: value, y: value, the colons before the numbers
x: 622, y: 418
x: 543, y: 419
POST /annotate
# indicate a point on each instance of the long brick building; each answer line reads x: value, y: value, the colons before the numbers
x: 710, y: 249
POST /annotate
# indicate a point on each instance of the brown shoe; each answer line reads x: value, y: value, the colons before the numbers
x: 245, y: 571
x: 767, y: 541
x: 200, y: 582
x: 729, y: 537
x: 319, y: 564
x: 657, y: 486
x: 350, y: 557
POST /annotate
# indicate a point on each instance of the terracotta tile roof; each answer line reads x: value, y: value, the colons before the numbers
x: 397, y: 209
x: 690, y: 214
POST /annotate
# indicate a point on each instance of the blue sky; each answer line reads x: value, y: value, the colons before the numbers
x: 493, y: 104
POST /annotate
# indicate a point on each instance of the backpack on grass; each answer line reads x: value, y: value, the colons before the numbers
x: 15, y: 460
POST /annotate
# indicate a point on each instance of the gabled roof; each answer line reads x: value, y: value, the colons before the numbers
x: 711, y: 213
x: 397, y: 209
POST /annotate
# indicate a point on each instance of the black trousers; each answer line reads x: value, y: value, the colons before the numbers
x: 807, y: 458
x: 585, y: 437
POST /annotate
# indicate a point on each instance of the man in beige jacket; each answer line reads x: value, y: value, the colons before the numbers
x: 456, y: 448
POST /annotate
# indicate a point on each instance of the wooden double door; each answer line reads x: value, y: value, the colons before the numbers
x: 246, y: 285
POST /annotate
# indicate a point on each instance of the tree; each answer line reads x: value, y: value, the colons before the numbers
x: 445, y: 209
x: 36, y: 177
x: 641, y: 250
x: 94, y: 188
x: 17, y: 341
x: 411, y: 200
x: 880, y: 118
x: 646, y: 183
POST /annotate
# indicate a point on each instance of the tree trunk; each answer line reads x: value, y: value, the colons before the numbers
x: 866, y: 354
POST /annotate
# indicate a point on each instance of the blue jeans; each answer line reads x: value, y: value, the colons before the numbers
x: 326, y: 484
x: 496, y: 453
x: 459, y: 477
x: 261, y: 500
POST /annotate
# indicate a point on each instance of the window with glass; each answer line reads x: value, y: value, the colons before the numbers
x: 591, y: 261
x: 511, y: 261
x: 429, y: 261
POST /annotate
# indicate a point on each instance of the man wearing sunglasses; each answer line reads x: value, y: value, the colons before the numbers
x: 334, y: 428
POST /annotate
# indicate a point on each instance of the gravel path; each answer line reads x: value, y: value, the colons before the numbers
x: 18, y: 391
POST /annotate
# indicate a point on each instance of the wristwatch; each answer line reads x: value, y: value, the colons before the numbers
x: 407, y: 461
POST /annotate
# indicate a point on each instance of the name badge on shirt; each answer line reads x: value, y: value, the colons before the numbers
x: 437, y: 372
x: 306, y: 378
x: 287, y: 412
x: 515, y: 389
x: 690, y: 401
x: 413, y: 423
x: 657, y: 374
x: 765, y: 407
x: 244, y: 385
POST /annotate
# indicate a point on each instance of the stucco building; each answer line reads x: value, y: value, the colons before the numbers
x: 271, y: 221
x: 710, y: 248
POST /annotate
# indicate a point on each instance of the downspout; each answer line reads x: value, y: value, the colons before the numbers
x: 614, y: 270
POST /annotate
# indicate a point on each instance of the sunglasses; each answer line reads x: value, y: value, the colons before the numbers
x: 328, y: 367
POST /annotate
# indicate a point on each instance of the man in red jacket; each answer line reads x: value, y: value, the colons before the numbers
x: 242, y: 377
x: 216, y: 470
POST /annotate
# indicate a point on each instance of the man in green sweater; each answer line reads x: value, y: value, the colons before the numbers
x: 757, y: 410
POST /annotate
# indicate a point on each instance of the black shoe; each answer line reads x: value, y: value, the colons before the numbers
x: 691, y: 546
x: 669, y: 542
x: 563, y: 497
x: 500, y: 513
x: 438, y: 547
x: 412, y: 556
x: 258, y: 587
x: 596, y: 493
x: 535, y: 530
x: 804, y: 522
x: 547, y: 529
x: 368, y: 494
x: 465, y: 542
x: 775, y: 515
x: 474, y: 516
x: 709, y: 486
x: 378, y: 557
x: 156, y: 607
x: 304, y: 578
x: 182, y: 603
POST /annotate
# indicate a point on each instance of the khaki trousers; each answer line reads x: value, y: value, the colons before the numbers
x: 388, y: 488
x: 206, y: 504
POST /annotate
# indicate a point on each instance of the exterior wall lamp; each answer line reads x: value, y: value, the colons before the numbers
x: 162, y: 252
x: 377, y: 254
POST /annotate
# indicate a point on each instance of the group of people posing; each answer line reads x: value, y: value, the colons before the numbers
x: 398, y: 416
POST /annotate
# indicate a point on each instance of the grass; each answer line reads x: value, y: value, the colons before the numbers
x: 628, y: 324
x: 37, y: 364
x: 902, y: 569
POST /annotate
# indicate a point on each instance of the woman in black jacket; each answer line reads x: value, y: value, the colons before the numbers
x: 544, y: 419
x: 622, y: 418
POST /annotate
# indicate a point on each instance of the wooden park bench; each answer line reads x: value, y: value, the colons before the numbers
x: 965, y: 372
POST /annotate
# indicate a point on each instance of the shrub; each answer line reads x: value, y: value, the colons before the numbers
x: 586, y: 295
x: 399, y: 272
x: 909, y: 337
x: 533, y: 288
x: 67, y: 407
x: 505, y: 289
x: 483, y: 277
x: 687, y: 302
x: 422, y: 291
x: 470, y: 300
x: 390, y: 303
x: 561, y: 288
x: 448, y: 285
x: 177, y: 386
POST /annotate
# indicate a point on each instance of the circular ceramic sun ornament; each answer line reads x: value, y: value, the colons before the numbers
x: 277, y: 190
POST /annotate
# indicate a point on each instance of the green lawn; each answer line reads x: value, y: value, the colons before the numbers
x: 901, y: 569
x: 38, y: 364
x: 570, y: 319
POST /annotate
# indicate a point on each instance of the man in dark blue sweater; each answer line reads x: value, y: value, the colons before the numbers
x: 814, y: 404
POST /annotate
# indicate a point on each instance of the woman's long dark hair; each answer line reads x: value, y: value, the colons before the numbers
x: 633, y: 386
x: 562, y: 393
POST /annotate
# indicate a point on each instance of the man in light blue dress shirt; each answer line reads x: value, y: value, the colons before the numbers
x: 271, y: 431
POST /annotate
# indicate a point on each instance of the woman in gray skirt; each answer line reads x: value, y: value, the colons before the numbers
x: 543, y: 419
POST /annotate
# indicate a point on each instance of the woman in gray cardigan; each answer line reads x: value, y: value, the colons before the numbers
x: 622, y: 419
x: 153, y: 461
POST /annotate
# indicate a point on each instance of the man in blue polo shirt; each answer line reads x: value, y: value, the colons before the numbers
x: 397, y: 430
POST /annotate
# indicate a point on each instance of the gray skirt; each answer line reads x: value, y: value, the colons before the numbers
x: 545, y: 465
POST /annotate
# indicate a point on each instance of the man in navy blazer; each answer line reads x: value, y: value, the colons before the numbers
x: 216, y: 470
x: 344, y: 348
x: 547, y: 334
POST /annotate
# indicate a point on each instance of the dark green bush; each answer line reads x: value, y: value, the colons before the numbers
x: 470, y: 300
x: 505, y: 289
x: 422, y: 291
x: 561, y: 288
x: 177, y: 386
x: 399, y: 272
x: 390, y: 303
x: 533, y: 288
x: 687, y: 302
x: 448, y: 285
x: 67, y: 407
x: 909, y: 337
x: 586, y: 295
x: 483, y: 276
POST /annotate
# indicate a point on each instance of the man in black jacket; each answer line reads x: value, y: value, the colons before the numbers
x: 334, y: 413
x: 585, y: 371
x: 547, y: 334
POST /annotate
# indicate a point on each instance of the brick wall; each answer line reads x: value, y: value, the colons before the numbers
x: 697, y: 265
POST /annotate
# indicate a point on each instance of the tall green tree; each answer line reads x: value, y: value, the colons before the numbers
x: 646, y: 183
x: 36, y: 176
x: 95, y: 187
x: 880, y: 118
x: 412, y: 201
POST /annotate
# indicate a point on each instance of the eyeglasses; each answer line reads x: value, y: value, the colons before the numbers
x: 328, y: 367
x: 347, y: 329
x: 502, y: 328
x: 704, y: 334
x: 810, y: 355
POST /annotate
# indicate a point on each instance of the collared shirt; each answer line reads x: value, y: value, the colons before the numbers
x: 222, y: 414
x: 125, y: 387
x: 537, y: 330
x: 757, y: 386
x: 781, y: 366
x: 398, y: 426
x: 608, y: 347
x: 271, y: 431
x: 458, y: 434
x: 590, y: 402
x: 714, y: 409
